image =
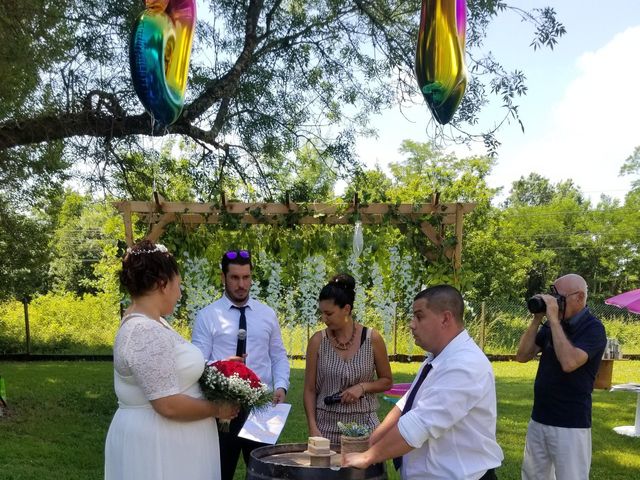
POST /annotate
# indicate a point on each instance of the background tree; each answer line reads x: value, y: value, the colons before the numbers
x: 86, y: 246
x: 267, y: 76
x: 371, y: 185
x: 74, y: 246
x: 24, y: 254
x: 309, y: 177
x: 532, y: 190
x: 631, y: 166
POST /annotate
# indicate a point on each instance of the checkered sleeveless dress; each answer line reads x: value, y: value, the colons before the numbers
x: 334, y: 374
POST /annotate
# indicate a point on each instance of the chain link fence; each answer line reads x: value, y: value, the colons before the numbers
x: 498, y: 325
x: 495, y: 325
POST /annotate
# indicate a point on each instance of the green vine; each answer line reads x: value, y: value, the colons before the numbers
x: 257, y: 214
x: 393, y: 213
x: 230, y: 221
x: 341, y: 208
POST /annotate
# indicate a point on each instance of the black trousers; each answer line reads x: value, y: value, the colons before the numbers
x: 231, y: 445
x: 490, y: 475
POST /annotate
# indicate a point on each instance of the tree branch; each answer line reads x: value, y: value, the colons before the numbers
x: 47, y: 128
x: 226, y: 86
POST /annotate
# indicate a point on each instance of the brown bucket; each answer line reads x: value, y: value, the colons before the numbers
x: 354, y: 444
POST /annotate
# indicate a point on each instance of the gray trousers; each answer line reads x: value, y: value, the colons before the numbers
x: 556, y: 453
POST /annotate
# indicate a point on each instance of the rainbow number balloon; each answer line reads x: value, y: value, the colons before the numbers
x: 440, y: 68
x: 159, y: 56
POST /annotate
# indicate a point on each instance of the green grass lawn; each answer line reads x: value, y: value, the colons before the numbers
x: 60, y: 412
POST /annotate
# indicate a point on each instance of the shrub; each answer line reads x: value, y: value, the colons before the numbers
x: 62, y: 324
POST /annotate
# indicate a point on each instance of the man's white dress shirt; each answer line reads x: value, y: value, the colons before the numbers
x: 452, y: 424
x: 215, y: 333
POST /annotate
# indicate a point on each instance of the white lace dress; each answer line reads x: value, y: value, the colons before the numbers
x: 152, y: 361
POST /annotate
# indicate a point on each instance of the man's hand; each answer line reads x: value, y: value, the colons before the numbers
x: 527, y: 348
x: 552, y: 307
x: 279, y: 396
x: 356, y: 460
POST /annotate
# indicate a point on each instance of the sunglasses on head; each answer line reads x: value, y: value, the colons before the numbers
x: 233, y: 254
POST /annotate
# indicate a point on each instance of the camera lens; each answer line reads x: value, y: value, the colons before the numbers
x: 536, y: 305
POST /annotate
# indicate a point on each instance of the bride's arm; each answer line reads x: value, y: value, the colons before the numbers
x: 147, y: 350
x: 185, y: 408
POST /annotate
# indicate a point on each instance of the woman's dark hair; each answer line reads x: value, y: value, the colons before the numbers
x: 341, y: 289
x: 145, y: 267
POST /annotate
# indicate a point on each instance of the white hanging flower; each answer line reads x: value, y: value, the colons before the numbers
x: 255, y: 290
x: 274, y: 285
x: 297, y: 344
x: 312, y: 279
x: 383, y: 304
x: 196, y: 285
x: 359, y: 302
x: 406, y: 285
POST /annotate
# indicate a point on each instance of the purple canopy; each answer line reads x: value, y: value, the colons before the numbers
x: 629, y: 300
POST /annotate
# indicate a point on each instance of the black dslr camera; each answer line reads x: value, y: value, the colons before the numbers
x: 537, y: 305
x: 332, y: 399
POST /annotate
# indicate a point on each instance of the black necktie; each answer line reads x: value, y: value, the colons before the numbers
x: 241, y: 347
x: 397, y: 461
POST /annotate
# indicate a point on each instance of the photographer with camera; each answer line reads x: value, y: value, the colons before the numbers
x: 347, y: 364
x: 572, y: 341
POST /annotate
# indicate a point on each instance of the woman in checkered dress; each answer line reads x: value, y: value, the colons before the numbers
x: 346, y: 358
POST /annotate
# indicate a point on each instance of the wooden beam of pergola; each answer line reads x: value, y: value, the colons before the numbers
x: 160, y: 213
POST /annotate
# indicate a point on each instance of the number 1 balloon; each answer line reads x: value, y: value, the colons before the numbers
x: 159, y: 56
x: 440, y: 68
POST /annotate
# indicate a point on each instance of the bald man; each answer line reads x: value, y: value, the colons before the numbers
x: 572, y: 341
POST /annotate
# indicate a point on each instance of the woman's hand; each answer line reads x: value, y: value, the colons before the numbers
x: 352, y: 394
x: 227, y: 410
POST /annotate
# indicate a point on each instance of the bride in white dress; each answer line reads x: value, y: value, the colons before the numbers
x: 163, y: 428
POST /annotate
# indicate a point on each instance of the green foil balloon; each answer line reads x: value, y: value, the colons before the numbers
x: 440, y: 68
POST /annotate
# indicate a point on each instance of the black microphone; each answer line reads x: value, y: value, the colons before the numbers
x: 242, y: 343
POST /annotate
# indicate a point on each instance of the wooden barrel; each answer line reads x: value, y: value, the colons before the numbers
x: 288, y: 461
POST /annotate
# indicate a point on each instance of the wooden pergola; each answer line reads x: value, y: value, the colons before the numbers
x: 447, y: 217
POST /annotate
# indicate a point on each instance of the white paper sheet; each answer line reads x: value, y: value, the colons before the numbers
x: 266, y: 424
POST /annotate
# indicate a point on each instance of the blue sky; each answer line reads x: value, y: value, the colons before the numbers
x: 581, y: 110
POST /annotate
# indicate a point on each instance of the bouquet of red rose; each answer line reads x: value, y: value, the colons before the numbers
x: 234, y: 382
